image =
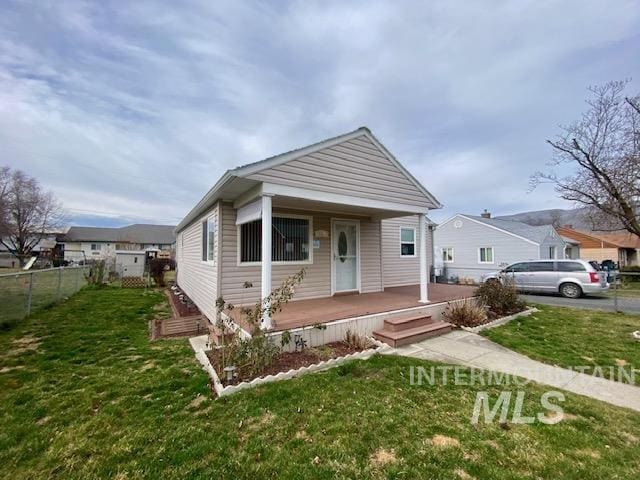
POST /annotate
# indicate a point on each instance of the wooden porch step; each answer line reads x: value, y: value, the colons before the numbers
x: 398, y: 324
x: 411, y: 335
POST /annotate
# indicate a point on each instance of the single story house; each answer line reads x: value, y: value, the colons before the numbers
x: 100, y: 243
x: 620, y: 247
x: 344, y: 209
x: 467, y: 247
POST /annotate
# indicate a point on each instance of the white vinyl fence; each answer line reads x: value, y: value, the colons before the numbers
x: 21, y: 293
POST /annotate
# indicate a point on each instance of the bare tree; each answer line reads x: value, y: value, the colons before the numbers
x: 603, y: 151
x: 28, y: 213
x: 4, y: 186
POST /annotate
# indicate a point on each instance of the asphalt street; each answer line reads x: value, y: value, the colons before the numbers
x: 592, y: 302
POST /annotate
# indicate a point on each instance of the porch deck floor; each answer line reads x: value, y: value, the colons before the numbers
x: 303, y: 313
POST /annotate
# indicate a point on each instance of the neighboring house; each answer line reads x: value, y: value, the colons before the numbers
x: 43, y: 249
x: 344, y: 209
x: 99, y: 243
x: 622, y: 248
x: 469, y: 246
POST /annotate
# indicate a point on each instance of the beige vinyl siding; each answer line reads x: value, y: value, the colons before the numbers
x: 370, y: 266
x: 355, y: 167
x: 399, y: 270
x: 196, y: 278
x: 317, y: 282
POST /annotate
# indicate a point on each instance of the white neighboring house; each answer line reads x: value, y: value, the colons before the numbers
x: 469, y: 246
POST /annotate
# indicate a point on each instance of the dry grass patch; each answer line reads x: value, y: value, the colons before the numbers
x: 382, y: 457
x: 629, y: 438
x: 199, y: 400
x: 442, y: 441
x: 588, y: 452
x: 28, y: 343
x: 460, y: 473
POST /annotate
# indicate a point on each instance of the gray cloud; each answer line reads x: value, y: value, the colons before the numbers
x: 134, y: 109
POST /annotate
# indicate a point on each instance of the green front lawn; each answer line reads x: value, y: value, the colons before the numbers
x: 84, y: 394
x: 575, y: 338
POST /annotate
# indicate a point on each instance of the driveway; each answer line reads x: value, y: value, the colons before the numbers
x: 592, y: 302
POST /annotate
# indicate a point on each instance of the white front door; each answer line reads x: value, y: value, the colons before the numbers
x: 345, y: 255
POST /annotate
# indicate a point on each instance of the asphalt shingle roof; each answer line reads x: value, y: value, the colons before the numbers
x: 534, y: 233
x: 136, y: 233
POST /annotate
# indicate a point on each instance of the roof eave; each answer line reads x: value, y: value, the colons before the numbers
x: 206, y: 201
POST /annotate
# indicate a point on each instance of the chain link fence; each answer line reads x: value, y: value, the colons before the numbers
x: 22, y: 293
x: 624, y: 290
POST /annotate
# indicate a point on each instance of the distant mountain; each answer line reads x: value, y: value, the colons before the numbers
x: 557, y: 216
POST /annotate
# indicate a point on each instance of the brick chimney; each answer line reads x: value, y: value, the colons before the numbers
x: 486, y: 214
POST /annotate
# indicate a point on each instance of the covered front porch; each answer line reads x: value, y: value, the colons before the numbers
x: 340, y: 244
x: 306, y: 313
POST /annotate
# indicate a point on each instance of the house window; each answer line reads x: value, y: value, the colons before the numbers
x: 552, y: 252
x: 447, y: 254
x: 209, y: 228
x: 96, y: 246
x: 290, y: 240
x: 407, y: 242
x: 485, y: 255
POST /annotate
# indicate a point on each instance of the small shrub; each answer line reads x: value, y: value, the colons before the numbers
x: 467, y: 313
x: 96, y: 274
x: 501, y: 297
x: 356, y: 340
x: 157, y: 267
x: 253, y: 355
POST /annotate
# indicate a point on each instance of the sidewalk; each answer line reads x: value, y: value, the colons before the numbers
x: 472, y: 350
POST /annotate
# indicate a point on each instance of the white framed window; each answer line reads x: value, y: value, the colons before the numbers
x: 96, y: 247
x: 209, y: 230
x: 291, y: 240
x: 552, y: 252
x: 407, y: 242
x: 447, y: 254
x: 485, y: 255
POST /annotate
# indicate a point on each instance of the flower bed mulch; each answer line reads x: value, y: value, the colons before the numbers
x: 188, y: 309
x: 286, y: 361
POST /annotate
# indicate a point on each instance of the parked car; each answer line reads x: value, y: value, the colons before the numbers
x: 570, y: 278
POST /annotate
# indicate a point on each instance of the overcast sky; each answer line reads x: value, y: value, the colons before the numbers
x: 130, y: 111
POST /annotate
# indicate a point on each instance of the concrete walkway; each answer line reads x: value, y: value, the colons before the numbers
x: 472, y: 350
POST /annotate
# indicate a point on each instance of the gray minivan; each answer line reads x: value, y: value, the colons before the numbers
x: 571, y: 278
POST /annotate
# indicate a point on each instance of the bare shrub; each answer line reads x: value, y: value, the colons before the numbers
x: 500, y: 296
x: 356, y: 340
x: 467, y: 313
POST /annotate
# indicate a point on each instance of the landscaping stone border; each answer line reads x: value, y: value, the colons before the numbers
x: 500, y: 321
x: 222, y: 391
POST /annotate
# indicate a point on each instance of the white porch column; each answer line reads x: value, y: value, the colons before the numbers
x: 266, y: 258
x: 424, y: 274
